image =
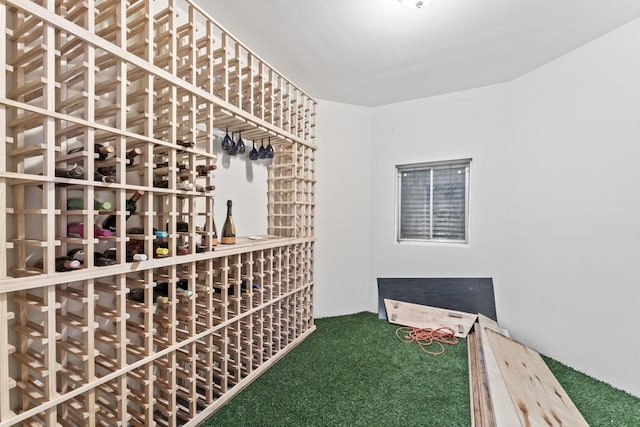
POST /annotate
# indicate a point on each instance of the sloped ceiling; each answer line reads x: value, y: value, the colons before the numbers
x: 376, y: 52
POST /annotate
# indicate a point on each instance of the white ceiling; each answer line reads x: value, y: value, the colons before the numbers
x: 376, y: 52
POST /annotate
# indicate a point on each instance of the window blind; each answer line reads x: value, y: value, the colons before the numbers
x: 433, y: 202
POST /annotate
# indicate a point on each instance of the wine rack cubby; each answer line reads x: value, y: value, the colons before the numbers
x: 108, y: 101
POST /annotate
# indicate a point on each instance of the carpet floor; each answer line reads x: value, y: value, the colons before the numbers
x: 353, y: 371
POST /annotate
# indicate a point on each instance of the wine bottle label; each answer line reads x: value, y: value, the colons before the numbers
x: 228, y: 240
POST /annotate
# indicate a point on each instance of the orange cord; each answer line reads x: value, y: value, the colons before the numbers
x: 426, y: 337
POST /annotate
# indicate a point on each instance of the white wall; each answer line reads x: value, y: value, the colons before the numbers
x: 343, y: 199
x: 555, y: 212
x: 573, y: 239
x: 471, y: 124
x: 245, y: 183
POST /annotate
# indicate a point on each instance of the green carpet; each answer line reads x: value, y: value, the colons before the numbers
x: 353, y: 371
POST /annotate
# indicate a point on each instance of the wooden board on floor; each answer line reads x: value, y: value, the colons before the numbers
x: 481, y: 405
x: 424, y: 316
x: 538, y: 396
x: 504, y: 411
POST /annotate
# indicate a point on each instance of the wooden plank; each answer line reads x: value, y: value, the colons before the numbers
x: 538, y: 396
x: 487, y: 417
x: 423, y: 316
x: 504, y: 410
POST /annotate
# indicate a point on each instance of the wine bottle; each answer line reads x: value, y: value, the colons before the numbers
x: 140, y: 230
x: 229, y: 228
x: 75, y: 172
x: 188, y: 144
x: 203, y: 170
x: 103, y: 151
x: 180, y: 166
x: 78, y: 203
x: 63, y: 263
x: 110, y: 222
x: 132, y: 154
x: 159, y: 295
x: 77, y: 254
x: 76, y: 229
x: 130, y: 255
x: 107, y: 170
x: 97, y: 176
x: 182, y: 288
x: 183, y: 185
x: 160, y: 249
x: 99, y: 260
x: 205, y: 188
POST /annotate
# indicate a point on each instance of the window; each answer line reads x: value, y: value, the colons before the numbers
x: 433, y: 202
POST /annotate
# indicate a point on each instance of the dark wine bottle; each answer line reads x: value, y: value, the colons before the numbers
x: 77, y: 254
x: 103, y: 151
x: 159, y: 295
x: 97, y: 176
x: 188, y: 144
x: 63, y: 263
x: 75, y: 172
x: 130, y: 255
x: 203, y: 170
x: 76, y: 229
x: 132, y: 154
x: 110, y: 222
x: 77, y: 203
x: 107, y: 170
x: 229, y: 228
x: 205, y: 188
x: 99, y: 260
x: 160, y: 249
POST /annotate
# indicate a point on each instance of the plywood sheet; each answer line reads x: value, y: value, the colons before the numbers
x: 424, y: 316
x: 504, y: 411
x: 537, y: 395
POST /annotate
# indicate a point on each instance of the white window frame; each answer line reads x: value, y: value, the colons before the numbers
x: 432, y: 165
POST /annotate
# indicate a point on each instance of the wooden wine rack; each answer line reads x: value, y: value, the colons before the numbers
x: 75, y: 349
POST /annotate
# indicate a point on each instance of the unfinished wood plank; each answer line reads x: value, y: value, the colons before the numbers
x: 423, y: 316
x: 504, y: 411
x: 481, y: 406
x: 538, y: 396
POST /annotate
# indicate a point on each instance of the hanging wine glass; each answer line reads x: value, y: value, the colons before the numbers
x: 262, y: 152
x: 240, y: 147
x: 232, y: 151
x: 253, y: 154
x: 226, y: 141
x: 270, y: 152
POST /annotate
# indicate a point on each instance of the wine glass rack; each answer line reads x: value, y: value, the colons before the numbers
x: 155, y: 81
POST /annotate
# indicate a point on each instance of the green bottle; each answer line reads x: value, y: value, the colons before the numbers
x: 78, y: 203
